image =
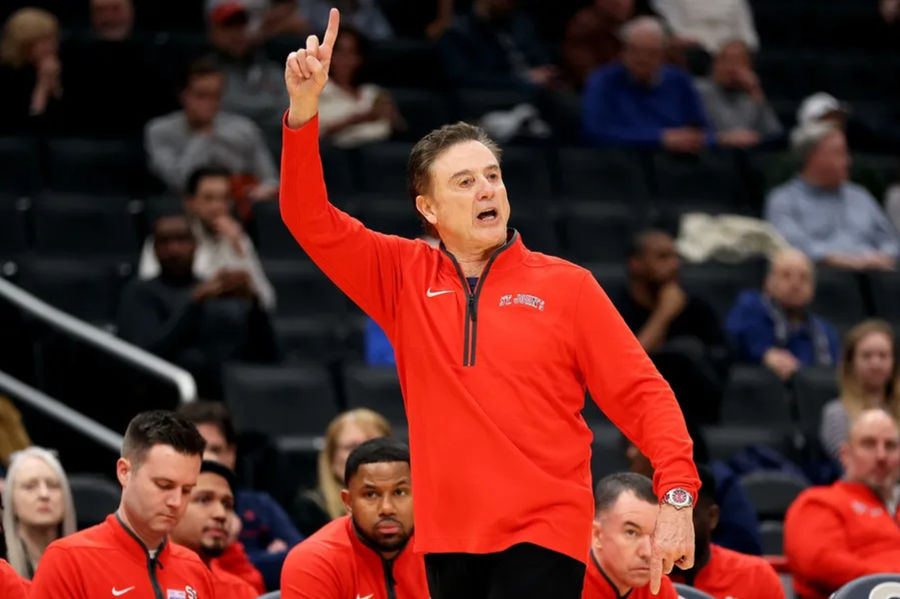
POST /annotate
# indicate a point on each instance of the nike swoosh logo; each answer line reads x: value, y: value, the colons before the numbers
x: 117, y: 593
x: 429, y: 293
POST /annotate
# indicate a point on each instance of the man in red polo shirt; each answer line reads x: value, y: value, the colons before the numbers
x: 203, y: 528
x: 366, y: 553
x: 619, y: 564
x: 495, y: 347
x: 721, y: 572
x: 129, y: 555
x: 849, y: 529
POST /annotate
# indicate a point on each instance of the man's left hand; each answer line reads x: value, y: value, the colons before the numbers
x: 673, y: 543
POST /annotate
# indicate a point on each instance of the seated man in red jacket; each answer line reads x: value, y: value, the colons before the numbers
x: 365, y: 553
x: 721, y: 572
x: 204, y: 527
x: 837, y: 533
x: 619, y: 564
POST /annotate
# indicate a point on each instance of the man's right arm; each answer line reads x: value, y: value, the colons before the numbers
x: 362, y: 263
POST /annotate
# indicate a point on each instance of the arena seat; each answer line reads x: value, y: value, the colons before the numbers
x: 607, y: 452
x: 383, y: 167
x: 772, y: 492
x: 687, y: 592
x: 537, y: 228
x: 14, y: 218
x: 392, y: 217
x: 710, y: 178
x: 422, y: 110
x: 310, y: 338
x: 838, y: 295
x: 95, y: 498
x: 755, y: 396
x: 813, y: 388
x: 527, y: 178
x: 786, y: 73
x: 97, y: 166
x: 303, y: 290
x: 66, y: 225
x: 403, y: 63
x: 724, y: 441
x: 299, y: 455
x: 377, y: 388
x: 772, y: 533
x: 475, y: 103
x: 273, y: 239
x: 290, y: 400
x: 611, y: 276
x: 592, y: 414
x: 598, y: 232
x: 19, y: 172
x: 720, y: 284
x: 885, y: 289
x: 602, y: 174
x: 87, y: 289
x: 875, y: 586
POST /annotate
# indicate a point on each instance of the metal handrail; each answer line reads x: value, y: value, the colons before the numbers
x: 61, y: 412
x: 182, y: 379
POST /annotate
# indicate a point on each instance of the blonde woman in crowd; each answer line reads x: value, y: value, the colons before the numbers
x: 868, y: 377
x: 30, y: 70
x: 39, y: 507
x: 318, y: 506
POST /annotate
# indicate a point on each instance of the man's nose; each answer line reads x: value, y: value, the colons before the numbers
x: 387, y: 506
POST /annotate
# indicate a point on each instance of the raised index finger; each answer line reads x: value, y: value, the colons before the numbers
x: 655, y: 573
x: 334, y: 20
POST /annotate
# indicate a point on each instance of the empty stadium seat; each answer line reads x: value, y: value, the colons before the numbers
x: 86, y: 289
x: 300, y: 455
x: 422, y: 110
x: 402, y: 63
x: 885, y: 289
x: 289, y: 400
x: 392, y: 217
x: 95, y: 498
x: 303, y: 290
x: 377, y: 388
x: 754, y: 395
x: 710, y: 178
x: 724, y: 441
x: 880, y: 586
x: 720, y: 285
x: 527, y: 178
x: 273, y: 239
x: 83, y: 225
x: 14, y: 213
x: 598, y: 232
x: 612, y: 278
x: 537, y: 228
x: 607, y: 454
x: 383, y: 167
x: 18, y: 165
x: 838, y: 295
x: 688, y: 592
x: 475, y: 103
x: 97, y: 166
x: 772, y: 492
x: 592, y: 414
x: 772, y: 533
x: 602, y: 174
x: 813, y: 388
x: 310, y: 339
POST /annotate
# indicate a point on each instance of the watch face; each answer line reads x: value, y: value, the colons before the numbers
x: 679, y: 496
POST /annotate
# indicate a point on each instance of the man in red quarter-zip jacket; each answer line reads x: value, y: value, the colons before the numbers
x: 366, y: 553
x: 129, y: 555
x: 495, y: 346
x: 851, y: 528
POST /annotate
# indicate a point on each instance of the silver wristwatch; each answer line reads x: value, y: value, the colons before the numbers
x: 678, y: 498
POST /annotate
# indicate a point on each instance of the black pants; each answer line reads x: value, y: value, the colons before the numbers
x: 523, y: 571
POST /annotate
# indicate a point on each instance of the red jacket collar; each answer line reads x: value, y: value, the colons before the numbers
x: 129, y: 542
x: 507, y: 255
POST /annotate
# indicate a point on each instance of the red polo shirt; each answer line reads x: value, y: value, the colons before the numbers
x: 335, y: 564
x: 597, y: 585
x: 11, y: 585
x: 107, y: 560
x: 732, y: 575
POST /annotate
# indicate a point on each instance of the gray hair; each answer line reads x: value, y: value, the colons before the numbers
x: 612, y: 486
x: 645, y: 23
x: 806, y: 138
x: 15, y: 549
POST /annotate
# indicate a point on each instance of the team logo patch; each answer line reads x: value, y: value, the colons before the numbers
x: 522, y: 299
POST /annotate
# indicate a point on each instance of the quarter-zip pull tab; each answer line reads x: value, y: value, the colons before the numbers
x: 473, y: 310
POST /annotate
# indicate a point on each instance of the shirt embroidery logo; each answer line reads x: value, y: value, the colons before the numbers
x: 191, y: 593
x: 175, y: 594
x: 118, y: 593
x: 522, y: 299
x: 431, y: 293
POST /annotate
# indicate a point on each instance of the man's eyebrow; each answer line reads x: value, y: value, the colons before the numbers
x: 633, y: 524
x: 459, y: 173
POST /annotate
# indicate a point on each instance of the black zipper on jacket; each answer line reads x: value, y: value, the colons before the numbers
x: 152, y: 561
x: 471, y: 325
x: 389, y: 582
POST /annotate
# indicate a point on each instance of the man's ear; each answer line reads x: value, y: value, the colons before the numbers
x: 425, y: 206
x: 345, y: 497
x: 596, y: 534
x: 123, y: 470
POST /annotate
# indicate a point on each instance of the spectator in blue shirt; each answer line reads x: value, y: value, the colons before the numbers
x: 821, y: 213
x: 775, y: 328
x: 639, y: 102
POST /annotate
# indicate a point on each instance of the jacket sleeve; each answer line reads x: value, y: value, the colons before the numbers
x: 58, y: 577
x: 362, y: 263
x: 235, y: 561
x: 307, y: 574
x: 816, y: 546
x: 630, y: 391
